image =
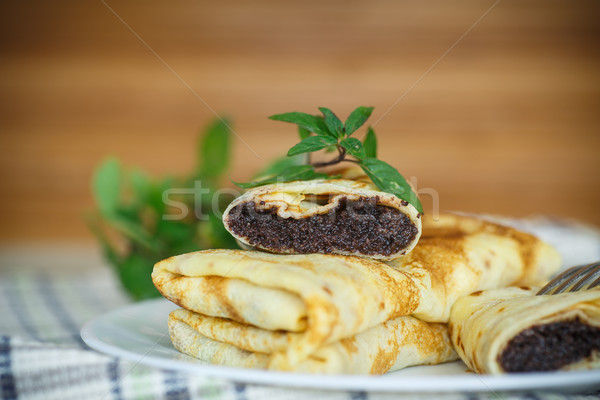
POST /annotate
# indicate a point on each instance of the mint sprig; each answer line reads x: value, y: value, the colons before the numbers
x: 370, y: 143
x: 312, y: 143
x: 356, y: 119
x: 309, y: 122
x: 129, y: 222
x: 293, y: 173
x: 328, y: 132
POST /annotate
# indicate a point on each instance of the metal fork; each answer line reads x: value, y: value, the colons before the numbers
x: 581, y: 277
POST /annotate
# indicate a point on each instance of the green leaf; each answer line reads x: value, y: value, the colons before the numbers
x: 312, y: 143
x: 106, y: 185
x: 219, y: 236
x: 110, y: 253
x: 300, y: 172
x: 370, y: 144
x: 155, y: 194
x: 132, y: 229
x: 134, y: 270
x: 135, y: 273
x: 388, y: 179
x: 214, y: 149
x: 333, y: 123
x: 279, y: 165
x: 141, y: 185
x: 179, y: 236
x: 309, y: 122
x: 289, y: 174
x: 357, y: 118
x: 354, y: 147
x: 295, y: 173
x: 131, y: 206
x: 303, y: 133
x: 174, y: 232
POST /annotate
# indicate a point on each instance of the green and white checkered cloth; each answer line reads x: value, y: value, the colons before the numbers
x: 48, y: 293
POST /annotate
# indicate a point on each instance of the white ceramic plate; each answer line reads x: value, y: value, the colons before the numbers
x: 139, y: 333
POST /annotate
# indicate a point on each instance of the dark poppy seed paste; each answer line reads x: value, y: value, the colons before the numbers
x: 550, y: 347
x: 361, y: 226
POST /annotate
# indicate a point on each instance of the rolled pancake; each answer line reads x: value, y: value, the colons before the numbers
x: 458, y: 255
x: 327, y: 216
x: 389, y: 346
x: 512, y: 330
x: 323, y: 297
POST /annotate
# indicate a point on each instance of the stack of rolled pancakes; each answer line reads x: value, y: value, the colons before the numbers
x: 338, y: 277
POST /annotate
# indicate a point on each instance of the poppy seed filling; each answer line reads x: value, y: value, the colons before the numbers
x: 550, y: 347
x: 361, y: 226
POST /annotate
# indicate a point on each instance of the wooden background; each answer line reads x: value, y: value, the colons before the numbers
x: 504, y: 121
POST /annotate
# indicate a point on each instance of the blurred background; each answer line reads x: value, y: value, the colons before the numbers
x: 493, y: 105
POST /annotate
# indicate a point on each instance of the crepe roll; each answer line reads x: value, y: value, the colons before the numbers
x: 388, y: 346
x: 458, y: 255
x: 539, y: 259
x: 512, y: 330
x: 323, y: 298
x: 328, y: 216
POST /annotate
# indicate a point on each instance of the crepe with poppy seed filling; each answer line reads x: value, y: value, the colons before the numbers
x: 512, y: 330
x: 326, y: 298
x: 386, y: 347
x: 327, y: 216
x: 458, y: 255
x: 323, y: 298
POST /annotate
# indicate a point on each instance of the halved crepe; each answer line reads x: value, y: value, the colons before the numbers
x: 388, y: 346
x: 328, y: 216
x: 511, y: 330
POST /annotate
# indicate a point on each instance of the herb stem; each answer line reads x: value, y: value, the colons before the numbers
x: 338, y: 159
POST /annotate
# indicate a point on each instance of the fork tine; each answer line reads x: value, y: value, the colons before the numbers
x: 558, y: 281
x: 573, y: 279
x: 581, y: 272
x: 592, y: 272
x: 595, y: 283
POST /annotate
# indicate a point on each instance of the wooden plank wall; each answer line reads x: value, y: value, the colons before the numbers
x: 494, y: 105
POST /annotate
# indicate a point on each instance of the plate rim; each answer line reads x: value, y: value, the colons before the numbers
x: 448, y: 383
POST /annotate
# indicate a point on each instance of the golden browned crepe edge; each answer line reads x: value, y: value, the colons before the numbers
x: 457, y: 255
x: 343, y: 295
x: 389, y: 346
x: 541, y: 260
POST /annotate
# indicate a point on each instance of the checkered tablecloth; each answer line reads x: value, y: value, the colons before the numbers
x: 48, y: 292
